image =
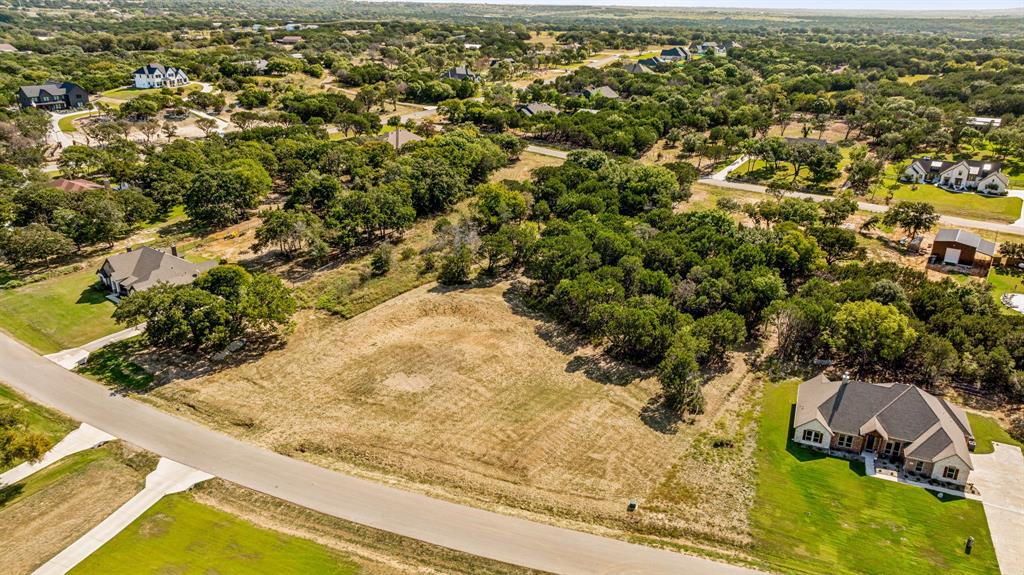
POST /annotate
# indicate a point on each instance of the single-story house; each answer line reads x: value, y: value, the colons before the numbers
x: 926, y: 435
x: 603, y: 91
x: 960, y: 247
x: 53, y: 96
x: 471, y: 46
x: 73, y: 186
x: 289, y: 40
x: 653, y: 61
x: 155, y: 75
x: 138, y: 270
x: 534, y: 108
x: 710, y: 48
x: 461, y: 73
x: 637, y: 68
x: 676, y: 54
x: 399, y: 138
x: 983, y: 176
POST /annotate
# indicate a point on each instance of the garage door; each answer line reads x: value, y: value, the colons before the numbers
x: 952, y: 256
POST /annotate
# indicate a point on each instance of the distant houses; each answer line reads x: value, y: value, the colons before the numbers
x: 535, y: 108
x: 155, y: 75
x: 138, y: 270
x: 53, y: 96
x: 983, y: 176
x: 713, y: 48
x: 603, y: 91
x: 399, y: 138
x: 637, y: 68
x: 676, y: 54
x: 289, y: 40
x: 461, y: 73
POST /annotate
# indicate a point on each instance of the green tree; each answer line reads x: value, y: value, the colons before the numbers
x: 912, y: 217
x: 456, y: 266
x: 17, y: 440
x: 222, y: 196
x: 226, y: 281
x: 679, y: 373
x: 723, y: 330
x: 870, y: 335
x: 496, y: 205
x: 380, y: 260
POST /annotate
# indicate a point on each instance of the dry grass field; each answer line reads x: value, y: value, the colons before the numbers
x: 462, y: 394
x: 520, y: 171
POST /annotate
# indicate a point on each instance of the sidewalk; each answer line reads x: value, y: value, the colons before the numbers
x: 85, y: 437
x: 76, y: 356
x: 169, y: 477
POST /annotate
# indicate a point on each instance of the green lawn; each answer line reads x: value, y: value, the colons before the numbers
x: 131, y: 93
x: 965, y: 204
x: 817, y: 514
x: 183, y: 537
x: 67, y: 123
x: 50, y: 423
x: 913, y: 79
x: 986, y: 430
x: 112, y: 365
x: 59, y: 313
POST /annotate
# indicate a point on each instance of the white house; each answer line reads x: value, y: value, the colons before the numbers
x: 982, y: 176
x: 159, y: 76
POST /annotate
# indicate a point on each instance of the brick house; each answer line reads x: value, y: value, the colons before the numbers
x: 925, y: 435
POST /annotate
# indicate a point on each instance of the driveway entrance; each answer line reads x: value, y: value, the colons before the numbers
x: 999, y: 476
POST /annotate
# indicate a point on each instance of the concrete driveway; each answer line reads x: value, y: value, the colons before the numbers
x: 999, y: 476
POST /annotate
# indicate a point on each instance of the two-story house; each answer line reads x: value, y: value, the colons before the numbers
x: 159, y: 76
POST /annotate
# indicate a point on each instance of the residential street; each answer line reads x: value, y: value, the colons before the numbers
x: 953, y: 221
x: 475, y: 531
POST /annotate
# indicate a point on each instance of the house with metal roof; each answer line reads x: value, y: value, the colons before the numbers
x: 53, y: 96
x: 958, y: 247
x: 74, y: 186
x: 155, y: 75
x: 925, y: 436
x: 461, y: 73
x: 603, y: 91
x: 983, y: 176
x: 138, y: 270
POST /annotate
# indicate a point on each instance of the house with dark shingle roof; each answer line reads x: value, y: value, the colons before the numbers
x: 155, y: 75
x: 603, y: 91
x: 461, y: 73
x: 926, y: 436
x: 534, y: 108
x: 637, y: 68
x: 676, y: 54
x: 653, y: 62
x: 138, y: 270
x: 983, y: 176
x: 53, y: 96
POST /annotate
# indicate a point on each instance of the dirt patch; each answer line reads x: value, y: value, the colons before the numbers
x: 520, y: 171
x: 464, y: 395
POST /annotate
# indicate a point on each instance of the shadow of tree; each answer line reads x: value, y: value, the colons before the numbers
x: 657, y: 415
x: 604, y: 370
x: 174, y: 365
x: 10, y: 492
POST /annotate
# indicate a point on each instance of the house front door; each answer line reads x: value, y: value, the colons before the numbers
x: 869, y: 443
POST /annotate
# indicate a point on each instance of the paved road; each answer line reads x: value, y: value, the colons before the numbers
x: 560, y: 154
x: 876, y: 208
x: 466, y: 529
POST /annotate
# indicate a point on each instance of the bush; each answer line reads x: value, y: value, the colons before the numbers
x: 380, y: 262
x: 456, y: 267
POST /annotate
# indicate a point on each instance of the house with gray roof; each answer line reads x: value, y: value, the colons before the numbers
x: 461, y: 73
x: 400, y: 137
x: 53, y: 96
x: 676, y: 54
x: 535, y: 108
x: 654, y: 62
x: 138, y: 270
x: 958, y: 247
x: 926, y: 436
x: 983, y: 176
x: 637, y: 68
x: 603, y: 91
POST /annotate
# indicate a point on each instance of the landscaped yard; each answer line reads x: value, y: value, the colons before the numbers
x: 131, y: 93
x: 58, y: 313
x: 964, y: 204
x: 818, y: 514
x: 986, y: 430
x: 181, y: 536
x: 67, y: 123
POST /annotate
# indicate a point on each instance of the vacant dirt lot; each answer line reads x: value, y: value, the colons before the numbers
x: 462, y: 394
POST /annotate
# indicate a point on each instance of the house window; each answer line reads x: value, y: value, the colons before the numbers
x: 950, y: 472
x: 844, y: 441
x: 919, y: 467
x: 812, y: 436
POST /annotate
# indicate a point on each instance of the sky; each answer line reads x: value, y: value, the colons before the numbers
x: 785, y: 4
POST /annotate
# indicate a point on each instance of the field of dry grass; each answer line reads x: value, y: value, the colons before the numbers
x: 56, y: 506
x: 431, y: 390
x: 520, y: 171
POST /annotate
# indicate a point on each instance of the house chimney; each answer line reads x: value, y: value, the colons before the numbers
x: 128, y: 250
x: 174, y: 251
x: 846, y: 377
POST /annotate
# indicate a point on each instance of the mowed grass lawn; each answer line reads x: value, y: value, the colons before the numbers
x: 131, y: 93
x: 58, y: 313
x: 817, y: 514
x: 183, y: 537
x: 986, y: 430
x: 964, y: 204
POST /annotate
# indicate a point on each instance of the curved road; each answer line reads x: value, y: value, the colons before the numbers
x: 475, y: 531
